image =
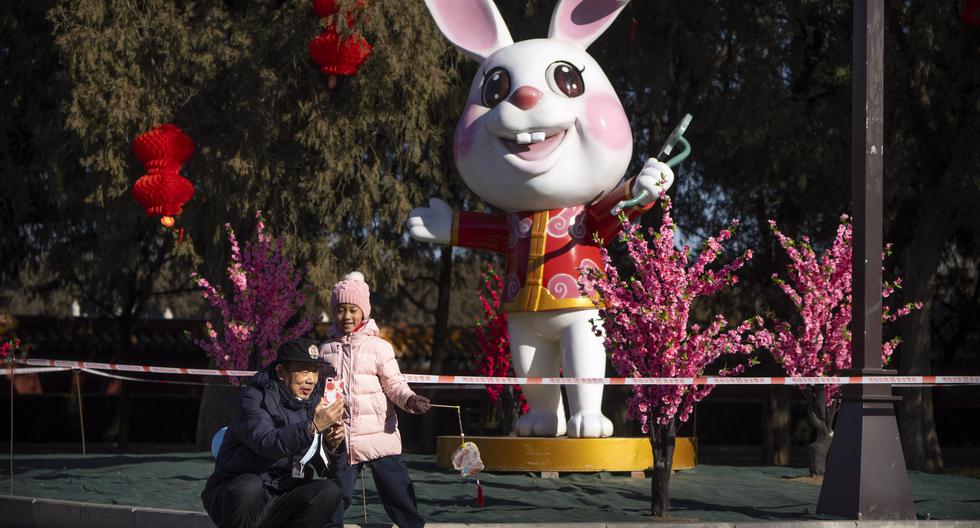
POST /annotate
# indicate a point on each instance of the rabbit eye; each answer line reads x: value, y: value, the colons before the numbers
x: 496, y: 87
x: 566, y: 78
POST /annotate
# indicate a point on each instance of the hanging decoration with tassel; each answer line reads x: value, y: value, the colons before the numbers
x: 466, y: 458
x: 162, y: 191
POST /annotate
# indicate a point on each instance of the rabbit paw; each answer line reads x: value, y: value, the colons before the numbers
x: 431, y: 224
x: 589, y: 425
x: 655, y: 178
x: 541, y: 423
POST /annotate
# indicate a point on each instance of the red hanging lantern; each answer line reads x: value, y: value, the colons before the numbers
x: 971, y: 12
x: 325, y: 8
x: 162, y: 191
x: 336, y: 57
x: 329, y: 8
x: 333, y: 55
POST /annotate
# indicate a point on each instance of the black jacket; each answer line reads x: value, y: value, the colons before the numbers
x: 268, y: 432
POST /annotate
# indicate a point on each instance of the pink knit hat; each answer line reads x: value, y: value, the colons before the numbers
x: 352, y: 290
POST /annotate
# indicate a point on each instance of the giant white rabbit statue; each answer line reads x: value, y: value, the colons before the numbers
x: 544, y: 138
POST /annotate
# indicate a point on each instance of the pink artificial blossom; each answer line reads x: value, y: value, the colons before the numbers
x: 9, y: 348
x: 646, y: 319
x: 820, y: 288
x: 265, y: 294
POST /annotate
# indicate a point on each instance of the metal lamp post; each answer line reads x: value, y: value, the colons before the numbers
x: 866, y: 476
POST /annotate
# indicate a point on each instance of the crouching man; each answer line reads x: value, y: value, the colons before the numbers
x: 278, y: 447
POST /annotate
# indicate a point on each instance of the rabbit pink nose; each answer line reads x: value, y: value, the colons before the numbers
x: 526, y: 97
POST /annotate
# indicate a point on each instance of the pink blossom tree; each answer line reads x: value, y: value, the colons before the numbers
x: 266, y: 292
x: 820, y: 289
x: 647, y: 328
x: 494, y: 354
x: 8, y: 350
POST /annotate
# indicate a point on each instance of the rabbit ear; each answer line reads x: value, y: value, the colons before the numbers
x: 473, y: 26
x: 582, y: 21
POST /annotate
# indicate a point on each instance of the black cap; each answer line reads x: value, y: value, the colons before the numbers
x: 298, y: 350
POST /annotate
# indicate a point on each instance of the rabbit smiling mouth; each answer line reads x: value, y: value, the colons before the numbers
x: 533, y: 146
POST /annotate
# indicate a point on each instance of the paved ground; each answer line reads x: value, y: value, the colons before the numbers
x: 709, y: 493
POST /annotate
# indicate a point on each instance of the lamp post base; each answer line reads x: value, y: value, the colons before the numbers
x: 866, y: 477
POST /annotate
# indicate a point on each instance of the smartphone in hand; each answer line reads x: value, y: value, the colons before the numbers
x: 332, y: 389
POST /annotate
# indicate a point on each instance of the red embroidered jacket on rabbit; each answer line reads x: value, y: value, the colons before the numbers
x: 545, y: 249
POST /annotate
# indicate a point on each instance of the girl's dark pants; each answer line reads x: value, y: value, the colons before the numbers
x: 393, y: 484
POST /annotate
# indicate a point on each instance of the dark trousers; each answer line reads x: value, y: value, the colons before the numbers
x: 243, y: 502
x: 394, y: 486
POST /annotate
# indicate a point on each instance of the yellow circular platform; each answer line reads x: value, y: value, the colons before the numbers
x: 512, y: 453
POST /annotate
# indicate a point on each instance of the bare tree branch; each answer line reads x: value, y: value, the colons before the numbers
x: 418, y: 303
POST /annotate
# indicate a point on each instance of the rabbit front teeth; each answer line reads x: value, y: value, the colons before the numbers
x: 523, y: 138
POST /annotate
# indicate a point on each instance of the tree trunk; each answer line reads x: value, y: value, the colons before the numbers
x: 917, y: 424
x: 919, y: 264
x: 662, y: 438
x: 776, y: 427
x: 509, y: 410
x: 441, y: 328
x: 916, y: 421
x: 137, y: 294
x: 218, y: 404
x: 818, y: 453
x: 821, y: 418
x: 440, y: 332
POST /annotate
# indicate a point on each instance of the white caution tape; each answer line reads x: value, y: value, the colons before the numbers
x: 32, y: 370
x: 488, y: 380
x: 128, y: 378
x: 135, y: 368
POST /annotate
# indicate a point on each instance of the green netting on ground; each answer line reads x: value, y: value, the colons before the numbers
x: 706, y: 493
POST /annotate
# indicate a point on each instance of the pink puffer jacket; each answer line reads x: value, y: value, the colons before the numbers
x: 366, y: 363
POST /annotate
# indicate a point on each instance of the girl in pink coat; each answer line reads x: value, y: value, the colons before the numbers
x: 373, y: 385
